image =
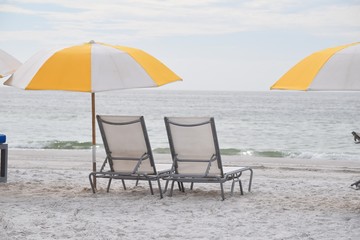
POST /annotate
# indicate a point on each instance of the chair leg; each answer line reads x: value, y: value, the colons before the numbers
x: 166, y: 186
x: 192, y: 185
x: 171, y: 189
x: 91, y: 182
x: 232, y: 187
x: 236, y: 178
x: 222, y: 191
x: 123, y: 183
x: 137, y: 182
x: 161, y: 194
x: 241, y: 188
x: 182, y: 187
x: 251, y: 177
x: 108, y: 186
x: 151, y: 189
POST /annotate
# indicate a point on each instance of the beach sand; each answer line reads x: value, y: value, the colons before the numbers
x: 48, y: 196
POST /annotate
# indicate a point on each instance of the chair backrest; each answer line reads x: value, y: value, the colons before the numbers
x: 194, y: 146
x: 126, y: 142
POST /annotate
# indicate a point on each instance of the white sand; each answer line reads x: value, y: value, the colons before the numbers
x: 48, y: 196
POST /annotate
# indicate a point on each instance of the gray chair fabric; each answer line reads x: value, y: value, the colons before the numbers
x: 196, y: 155
x: 128, y: 151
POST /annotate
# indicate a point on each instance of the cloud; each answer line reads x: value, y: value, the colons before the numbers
x: 135, y: 19
x: 188, y: 16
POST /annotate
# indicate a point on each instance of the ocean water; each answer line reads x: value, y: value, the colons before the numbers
x: 313, y: 125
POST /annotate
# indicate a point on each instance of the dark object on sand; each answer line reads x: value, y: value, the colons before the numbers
x: 356, y: 137
x: 357, y: 140
x: 356, y: 184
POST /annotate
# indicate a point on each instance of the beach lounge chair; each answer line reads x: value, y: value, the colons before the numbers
x: 196, y: 155
x: 128, y: 152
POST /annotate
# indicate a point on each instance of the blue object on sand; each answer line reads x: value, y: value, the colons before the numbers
x: 2, y: 138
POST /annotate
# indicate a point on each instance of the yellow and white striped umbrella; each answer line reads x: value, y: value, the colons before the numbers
x: 332, y: 69
x: 91, y: 67
x: 8, y: 64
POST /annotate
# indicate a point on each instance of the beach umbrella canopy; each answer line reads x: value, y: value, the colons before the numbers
x: 332, y: 69
x: 8, y: 64
x: 91, y: 67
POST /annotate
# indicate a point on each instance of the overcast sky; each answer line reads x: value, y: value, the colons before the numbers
x: 237, y: 45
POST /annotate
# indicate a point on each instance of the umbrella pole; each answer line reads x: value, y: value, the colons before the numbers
x: 93, y: 136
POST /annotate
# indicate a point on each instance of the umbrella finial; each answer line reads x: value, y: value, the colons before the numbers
x: 92, y: 42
